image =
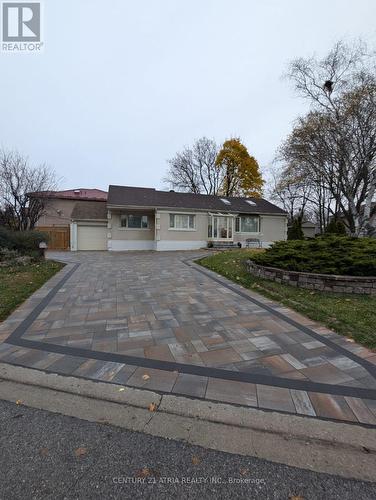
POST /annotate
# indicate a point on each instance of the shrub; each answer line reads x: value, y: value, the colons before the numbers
x: 336, y: 227
x: 5, y: 238
x: 9, y: 258
x: 327, y: 255
x: 7, y: 255
x: 25, y: 242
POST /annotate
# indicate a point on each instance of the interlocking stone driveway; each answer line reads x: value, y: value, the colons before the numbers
x: 120, y: 316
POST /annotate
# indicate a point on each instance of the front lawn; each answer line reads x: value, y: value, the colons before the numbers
x: 18, y: 282
x: 350, y: 315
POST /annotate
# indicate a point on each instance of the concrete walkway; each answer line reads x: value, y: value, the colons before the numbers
x: 158, y: 321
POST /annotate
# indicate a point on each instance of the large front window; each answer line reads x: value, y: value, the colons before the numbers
x: 182, y: 221
x: 131, y: 221
x: 247, y: 224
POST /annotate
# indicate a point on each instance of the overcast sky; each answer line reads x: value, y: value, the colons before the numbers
x: 122, y: 85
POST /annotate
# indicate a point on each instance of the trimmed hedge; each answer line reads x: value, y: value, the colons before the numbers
x: 328, y: 255
x: 25, y: 242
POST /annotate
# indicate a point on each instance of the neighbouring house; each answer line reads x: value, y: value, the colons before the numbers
x: 309, y: 229
x: 147, y: 219
x: 59, y: 205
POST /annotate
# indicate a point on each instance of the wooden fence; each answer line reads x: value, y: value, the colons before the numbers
x: 58, y: 237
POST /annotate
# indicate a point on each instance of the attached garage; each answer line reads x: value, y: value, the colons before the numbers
x: 89, y: 226
x: 93, y: 237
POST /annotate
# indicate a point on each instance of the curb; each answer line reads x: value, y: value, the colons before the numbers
x: 336, y: 448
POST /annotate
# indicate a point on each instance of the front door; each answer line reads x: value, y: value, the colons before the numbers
x: 222, y: 228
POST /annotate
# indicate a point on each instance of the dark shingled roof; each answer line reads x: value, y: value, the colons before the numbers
x: 149, y: 197
x: 89, y: 210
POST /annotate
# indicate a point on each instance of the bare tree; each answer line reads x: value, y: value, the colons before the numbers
x: 339, y: 158
x: 336, y: 142
x: 18, y: 179
x: 194, y: 169
x: 291, y: 191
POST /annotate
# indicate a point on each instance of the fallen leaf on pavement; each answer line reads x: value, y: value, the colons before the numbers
x: 244, y: 471
x: 296, y: 497
x: 19, y: 415
x: 152, y: 407
x: 80, y: 452
x: 19, y: 402
x: 146, y: 472
x: 145, y: 377
x: 195, y: 460
x: 102, y: 421
x: 44, y: 452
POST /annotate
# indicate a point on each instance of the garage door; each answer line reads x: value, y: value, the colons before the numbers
x: 91, y: 238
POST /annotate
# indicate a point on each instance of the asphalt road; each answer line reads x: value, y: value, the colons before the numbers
x: 45, y: 455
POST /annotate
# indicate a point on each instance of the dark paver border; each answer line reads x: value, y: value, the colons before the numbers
x: 363, y: 362
x: 16, y: 339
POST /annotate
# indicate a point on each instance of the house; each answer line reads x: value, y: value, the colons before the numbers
x: 309, y: 229
x: 147, y: 219
x: 57, y: 217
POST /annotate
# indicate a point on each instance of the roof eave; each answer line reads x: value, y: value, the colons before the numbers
x: 79, y: 219
x: 142, y: 207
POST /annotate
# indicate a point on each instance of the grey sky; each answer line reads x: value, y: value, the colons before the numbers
x: 122, y: 86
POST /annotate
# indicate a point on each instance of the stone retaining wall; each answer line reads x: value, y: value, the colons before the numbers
x: 323, y: 282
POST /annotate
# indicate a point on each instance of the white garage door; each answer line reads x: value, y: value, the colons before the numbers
x: 91, y: 238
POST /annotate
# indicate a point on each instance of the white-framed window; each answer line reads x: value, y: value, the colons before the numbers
x: 247, y: 224
x: 182, y: 221
x: 133, y: 221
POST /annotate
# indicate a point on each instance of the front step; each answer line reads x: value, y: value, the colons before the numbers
x: 224, y: 245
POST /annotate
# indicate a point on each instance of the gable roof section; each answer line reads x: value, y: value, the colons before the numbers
x: 73, y: 194
x: 126, y: 196
x: 89, y: 210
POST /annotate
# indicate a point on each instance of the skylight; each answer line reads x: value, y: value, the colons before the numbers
x: 226, y: 202
x: 251, y: 202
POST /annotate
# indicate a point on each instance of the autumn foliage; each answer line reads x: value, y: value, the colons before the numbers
x: 241, y: 173
x: 206, y: 168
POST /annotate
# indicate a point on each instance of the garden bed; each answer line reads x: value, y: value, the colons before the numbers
x: 316, y: 281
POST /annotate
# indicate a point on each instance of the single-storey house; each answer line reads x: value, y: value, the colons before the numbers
x: 137, y: 218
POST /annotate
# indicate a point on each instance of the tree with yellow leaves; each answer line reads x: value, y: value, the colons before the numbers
x: 242, y: 176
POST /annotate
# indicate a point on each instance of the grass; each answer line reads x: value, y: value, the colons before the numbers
x: 17, y: 283
x: 349, y: 315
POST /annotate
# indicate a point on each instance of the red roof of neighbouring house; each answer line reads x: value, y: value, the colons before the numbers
x: 73, y: 194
